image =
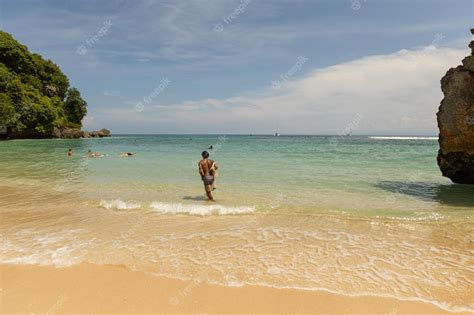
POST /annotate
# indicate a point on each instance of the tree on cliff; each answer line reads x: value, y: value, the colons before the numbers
x: 35, y: 95
x: 75, y: 106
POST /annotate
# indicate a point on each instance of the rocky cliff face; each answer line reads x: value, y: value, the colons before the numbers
x: 456, y: 122
x: 62, y: 132
x: 74, y: 133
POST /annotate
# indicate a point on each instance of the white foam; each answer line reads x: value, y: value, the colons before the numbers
x: 419, y: 217
x: 119, y: 204
x: 179, y: 208
x: 60, y: 249
x: 404, y: 138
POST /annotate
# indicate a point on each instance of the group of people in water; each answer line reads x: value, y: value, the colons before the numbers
x: 207, y: 168
x: 98, y: 154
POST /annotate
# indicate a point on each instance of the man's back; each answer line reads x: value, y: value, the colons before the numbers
x: 204, y: 166
x: 207, y: 170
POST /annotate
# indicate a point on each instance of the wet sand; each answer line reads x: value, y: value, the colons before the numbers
x: 91, y: 288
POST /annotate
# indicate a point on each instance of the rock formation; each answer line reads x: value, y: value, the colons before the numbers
x: 456, y: 122
x: 73, y: 133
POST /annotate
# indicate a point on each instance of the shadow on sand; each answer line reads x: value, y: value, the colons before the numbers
x: 195, y: 198
x: 450, y: 194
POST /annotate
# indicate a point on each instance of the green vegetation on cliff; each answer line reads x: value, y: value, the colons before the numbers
x: 35, y: 95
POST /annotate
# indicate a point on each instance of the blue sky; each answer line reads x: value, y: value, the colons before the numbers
x: 249, y: 66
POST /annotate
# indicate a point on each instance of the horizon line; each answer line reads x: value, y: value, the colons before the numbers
x: 273, y: 135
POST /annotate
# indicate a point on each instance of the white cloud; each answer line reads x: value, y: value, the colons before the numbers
x: 88, y: 123
x: 182, y: 31
x: 398, y: 92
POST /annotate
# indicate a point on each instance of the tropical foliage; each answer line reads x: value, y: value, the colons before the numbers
x: 35, y: 95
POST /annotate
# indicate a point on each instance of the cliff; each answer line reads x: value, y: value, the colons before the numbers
x: 72, y: 133
x: 456, y: 122
x: 36, y: 100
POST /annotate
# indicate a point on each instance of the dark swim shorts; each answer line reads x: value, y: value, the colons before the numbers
x: 208, y: 180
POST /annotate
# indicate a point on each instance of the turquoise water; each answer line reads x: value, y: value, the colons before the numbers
x: 358, y: 216
x: 345, y: 175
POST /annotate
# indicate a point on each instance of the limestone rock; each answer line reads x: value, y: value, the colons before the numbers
x: 456, y: 122
x: 104, y: 132
x: 56, y: 133
x: 74, y: 133
x: 66, y: 132
x: 100, y: 133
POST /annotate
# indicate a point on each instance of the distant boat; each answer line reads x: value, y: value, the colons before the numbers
x: 276, y: 134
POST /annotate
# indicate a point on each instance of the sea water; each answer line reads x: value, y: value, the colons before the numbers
x: 354, y: 215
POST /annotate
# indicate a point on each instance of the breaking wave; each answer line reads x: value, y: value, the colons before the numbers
x: 119, y: 204
x: 404, y: 138
x: 178, y: 208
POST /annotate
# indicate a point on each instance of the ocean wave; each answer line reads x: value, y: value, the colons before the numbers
x: 60, y: 249
x: 176, y: 208
x: 403, y: 138
x: 179, y: 208
x: 119, y: 204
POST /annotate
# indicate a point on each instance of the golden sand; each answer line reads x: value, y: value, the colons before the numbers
x: 391, y: 266
x: 91, y: 289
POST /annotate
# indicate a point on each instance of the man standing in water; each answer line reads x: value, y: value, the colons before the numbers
x: 207, y: 170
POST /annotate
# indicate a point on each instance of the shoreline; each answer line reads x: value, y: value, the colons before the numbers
x: 107, y: 288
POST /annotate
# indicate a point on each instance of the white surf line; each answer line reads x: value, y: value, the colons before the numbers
x: 403, y: 138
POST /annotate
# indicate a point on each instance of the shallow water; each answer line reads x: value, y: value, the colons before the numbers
x: 352, y: 215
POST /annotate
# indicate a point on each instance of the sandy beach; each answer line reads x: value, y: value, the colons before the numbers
x: 62, y: 252
x: 236, y: 156
x: 100, y: 289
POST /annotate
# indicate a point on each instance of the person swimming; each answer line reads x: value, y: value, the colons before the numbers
x: 69, y: 152
x: 127, y: 154
x: 207, y: 170
x: 94, y: 154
